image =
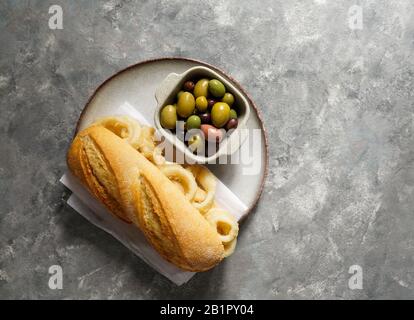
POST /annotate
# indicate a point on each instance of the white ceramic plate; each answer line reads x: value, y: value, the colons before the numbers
x: 136, y: 86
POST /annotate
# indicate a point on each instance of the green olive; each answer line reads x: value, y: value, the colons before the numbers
x: 220, y: 114
x: 193, y: 122
x: 185, y: 104
x: 201, y: 88
x: 195, y: 142
x: 233, y: 114
x: 228, y: 98
x: 168, y: 117
x: 216, y: 88
x: 201, y: 103
x: 179, y: 94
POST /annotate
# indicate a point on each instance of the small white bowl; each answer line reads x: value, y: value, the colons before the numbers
x: 166, y: 94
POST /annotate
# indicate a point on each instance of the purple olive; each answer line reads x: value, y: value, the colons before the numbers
x: 211, y: 102
x: 232, y: 124
x: 189, y: 86
x: 205, y: 118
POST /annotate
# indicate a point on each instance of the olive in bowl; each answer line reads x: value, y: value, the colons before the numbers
x: 207, y: 102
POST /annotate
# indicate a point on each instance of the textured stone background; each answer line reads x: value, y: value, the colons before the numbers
x: 338, y: 106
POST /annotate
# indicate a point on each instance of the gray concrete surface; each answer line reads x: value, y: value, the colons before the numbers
x: 338, y: 105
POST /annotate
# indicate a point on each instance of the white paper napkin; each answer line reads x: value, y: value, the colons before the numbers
x: 129, y: 235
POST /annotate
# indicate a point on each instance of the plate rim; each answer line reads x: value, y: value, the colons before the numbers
x: 236, y: 83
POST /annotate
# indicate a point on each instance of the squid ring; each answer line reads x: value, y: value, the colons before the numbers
x: 229, y: 247
x: 225, y: 224
x: 208, y: 182
x: 177, y: 173
x: 200, y: 195
x: 124, y: 127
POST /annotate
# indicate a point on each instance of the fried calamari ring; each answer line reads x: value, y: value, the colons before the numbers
x: 147, y: 138
x: 152, y: 153
x: 147, y: 145
x: 157, y: 157
x: 229, y: 247
x: 225, y: 224
x: 200, y: 195
x: 124, y: 127
x: 179, y: 185
x: 207, y: 181
x: 140, y: 137
x: 177, y: 173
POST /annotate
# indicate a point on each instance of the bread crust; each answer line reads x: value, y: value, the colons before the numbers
x: 135, y: 190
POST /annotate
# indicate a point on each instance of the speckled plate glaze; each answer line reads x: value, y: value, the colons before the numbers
x: 136, y: 85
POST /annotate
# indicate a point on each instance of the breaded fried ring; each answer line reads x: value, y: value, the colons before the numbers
x: 208, y: 182
x: 178, y: 174
x: 225, y: 224
x: 200, y: 195
x: 148, y: 146
x: 124, y: 127
x: 229, y: 247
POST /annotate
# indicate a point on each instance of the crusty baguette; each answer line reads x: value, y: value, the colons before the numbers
x: 135, y: 190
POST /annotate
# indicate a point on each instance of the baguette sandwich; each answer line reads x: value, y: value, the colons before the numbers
x: 136, y: 191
